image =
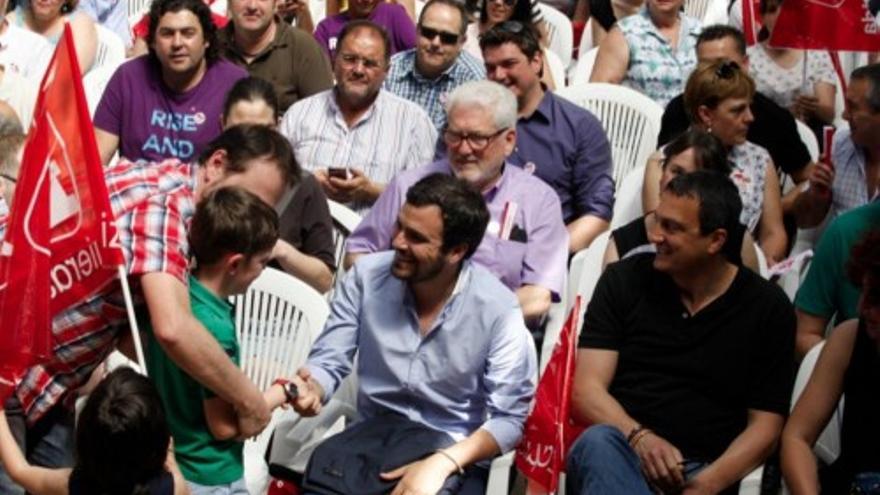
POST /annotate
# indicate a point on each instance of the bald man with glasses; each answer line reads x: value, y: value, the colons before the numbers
x: 437, y: 65
x: 526, y: 243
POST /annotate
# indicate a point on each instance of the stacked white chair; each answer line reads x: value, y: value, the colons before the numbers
x: 110, y: 51
x: 631, y: 121
x: 276, y: 321
x: 580, y: 72
x: 556, y: 68
x: 344, y: 222
x: 559, y: 31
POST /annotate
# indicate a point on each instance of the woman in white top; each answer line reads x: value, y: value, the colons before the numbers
x: 717, y: 98
x: 47, y: 18
x: 802, y: 81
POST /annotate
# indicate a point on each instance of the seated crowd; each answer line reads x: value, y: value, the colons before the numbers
x: 229, y: 136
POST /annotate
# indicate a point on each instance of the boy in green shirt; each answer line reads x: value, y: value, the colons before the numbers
x: 231, y: 240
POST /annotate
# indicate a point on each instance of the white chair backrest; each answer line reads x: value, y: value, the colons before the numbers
x: 136, y: 10
x: 631, y: 121
x: 809, y: 139
x: 344, y: 222
x: 696, y: 8
x: 111, y: 49
x: 220, y: 7
x: 94, y: 83
x: 628, y: 200
x: 763, y: 267
x: 276, y: 321
x: 554, y: 65
x: 580, y: 73
x: 559, y: 31
x: 827, y: 446
x: 585, y: 269
x: 716, y: 13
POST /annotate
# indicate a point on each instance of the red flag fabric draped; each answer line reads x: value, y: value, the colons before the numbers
x: 60, y: 243
x: 549, y: 431
x: 826, y: 25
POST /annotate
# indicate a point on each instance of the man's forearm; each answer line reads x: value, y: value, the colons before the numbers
x: 747, y: 451
x: 307, y: 268
x: 477, y: 446
x: 582, y: 231
x: 596, y: 406
x: 535, y: 302
x: 810, y: 208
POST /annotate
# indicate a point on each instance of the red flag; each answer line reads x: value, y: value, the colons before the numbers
x: 60, y: 245
x: 750, y: 21
x: 549, y: 431
x: 826, y: 25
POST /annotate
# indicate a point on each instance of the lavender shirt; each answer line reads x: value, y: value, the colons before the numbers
x: 390, y: 16
x: 539, y: 256
x: 565, y: 146
x: 154, y: 122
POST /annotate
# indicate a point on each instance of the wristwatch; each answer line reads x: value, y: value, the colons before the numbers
x: 290, y: 390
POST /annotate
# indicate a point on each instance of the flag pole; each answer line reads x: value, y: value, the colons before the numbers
x: 132, y: 320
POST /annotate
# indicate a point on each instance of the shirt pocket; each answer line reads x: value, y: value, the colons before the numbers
x: 509, y: 257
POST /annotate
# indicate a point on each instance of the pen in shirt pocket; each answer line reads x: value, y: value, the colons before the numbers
x: 508, y: 217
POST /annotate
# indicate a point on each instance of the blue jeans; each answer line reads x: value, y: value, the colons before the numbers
x: 601, y: 461
x: 49, y: 443
x: 237, y: 487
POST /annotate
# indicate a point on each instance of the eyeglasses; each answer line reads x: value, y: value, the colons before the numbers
x: 727, y: 69
x: 477, y: 142
x: 9, y: 178
x: 445, y: 38
x: 509, y: 3
x: 526, y: 33
x: 350, y: 60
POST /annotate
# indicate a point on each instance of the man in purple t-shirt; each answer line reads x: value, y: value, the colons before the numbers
x: 167, y: 104
x: 391, y: 16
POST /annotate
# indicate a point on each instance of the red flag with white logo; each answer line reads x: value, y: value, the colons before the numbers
x: 827, y: 25
x: 549, y: 431
x: 60, y: 243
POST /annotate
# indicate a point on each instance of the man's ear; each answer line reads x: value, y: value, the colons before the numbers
x: 233, y: 262
x: 215, y: 166
x: 717, y: 240
x: 457, y: 253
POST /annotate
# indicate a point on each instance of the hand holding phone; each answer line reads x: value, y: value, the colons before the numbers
x: 341, y: 173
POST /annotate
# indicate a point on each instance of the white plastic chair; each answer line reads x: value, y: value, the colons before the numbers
x: 276, y: 321
x: 585, y: 269
x: 701, y: 9
x: 111, y: 49
x: 559, y: 31
x: 136, y: 10
x: 631, y: 121
x: 716, y: 13
x: 580, y: 72
x: 628, y: 200
x: 556, y: 68
x: 809, y: 139
x: 94, y: 83
x: 344, y: 222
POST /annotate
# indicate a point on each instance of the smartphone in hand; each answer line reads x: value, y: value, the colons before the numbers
x: 341, y: 173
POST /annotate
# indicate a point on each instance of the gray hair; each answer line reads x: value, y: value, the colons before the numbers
x: 488, y: 95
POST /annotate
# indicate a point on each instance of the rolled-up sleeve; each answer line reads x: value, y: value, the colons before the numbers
x: 510, y: 379
x: 594, y: 186
x: 330, y: 359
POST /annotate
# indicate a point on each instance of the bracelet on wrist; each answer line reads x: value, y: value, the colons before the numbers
x: 290, y: 390
x: 632, y: 433
x: 452, y: 460
x: 638, y: 438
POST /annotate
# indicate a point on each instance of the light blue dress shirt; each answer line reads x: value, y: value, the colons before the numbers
x: 475, y: 368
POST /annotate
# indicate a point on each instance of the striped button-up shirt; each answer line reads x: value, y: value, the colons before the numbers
x: 430, y: 94
x: 393, y: 135
x: 850, y: 187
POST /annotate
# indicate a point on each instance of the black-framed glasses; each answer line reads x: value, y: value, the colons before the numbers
x: 9, y: 178
x: 477, y: 142
x: 445, y: 37
x: 727, y: 69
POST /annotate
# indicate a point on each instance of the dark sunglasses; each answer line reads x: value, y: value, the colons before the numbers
x: 445, y: 38
x: 727, y: 69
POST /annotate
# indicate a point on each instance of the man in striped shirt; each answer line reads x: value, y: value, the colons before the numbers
x: 153, y: 206
x: 356, y: 136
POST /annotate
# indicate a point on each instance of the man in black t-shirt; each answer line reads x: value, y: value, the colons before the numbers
x: 686, y: 360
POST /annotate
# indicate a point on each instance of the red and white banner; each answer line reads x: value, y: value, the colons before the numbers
x: 827, y: 25
x: 60, y: 243
x: 549, y: 431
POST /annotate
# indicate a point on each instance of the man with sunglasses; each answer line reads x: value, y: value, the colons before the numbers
x: 426, y: 74
x: 526, y: 242
x: 561, y: 143
x: 356, y: 136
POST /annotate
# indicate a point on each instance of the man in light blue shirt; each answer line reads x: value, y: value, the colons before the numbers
x: 439, y: 340
x: 426, y: 74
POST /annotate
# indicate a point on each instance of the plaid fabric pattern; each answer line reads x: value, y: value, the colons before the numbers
x: 153, y: 203
x: 850, y: 187
x: 431, y: 94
